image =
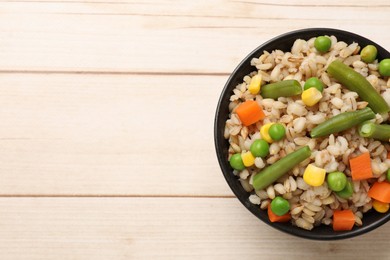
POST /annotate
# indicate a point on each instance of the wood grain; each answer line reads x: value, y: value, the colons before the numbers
x: 162, y: 228
x: 109, y: 135
x: 151, y: 36
x: 106, y: 130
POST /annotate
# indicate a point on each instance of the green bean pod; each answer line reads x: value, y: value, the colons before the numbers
x: 285, y: 88
x: 372, y: 130
x: 342, y: 122
x: 273, y: 172
x: 359, y: 84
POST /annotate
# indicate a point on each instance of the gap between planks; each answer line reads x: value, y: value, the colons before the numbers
x: 114, y: 196
x: 129, y: 73
x: 341, y: 5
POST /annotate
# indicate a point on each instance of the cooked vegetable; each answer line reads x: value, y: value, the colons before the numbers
x: 273, y: 172
x: 264, y: 132
x: 359, y: 84
x: 372, y: 130
x: 384, y: 67
x: 343, y: 220
x: 301, y: 181
x: 314, y: 82
x: 277, y: 132
x: 336, y: 181
x: 322, y: 43
x: 380, y: 206
x: 280, y: 206
x: 368, y: 53
x: 259, y: 148
x: 314, y: 176
x: 236, y: 162
x: 285, y: 88
x: 250, y: 112
x: 380, y: 191
x: 254, y: 86
x: 275, y: 218
x: 248, y: 159
x: 311, y: 96
x: 342, y: 122
x: 361, y: 167
x: 347, y: 192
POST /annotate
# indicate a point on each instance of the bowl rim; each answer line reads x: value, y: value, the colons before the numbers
x: 227, y: 171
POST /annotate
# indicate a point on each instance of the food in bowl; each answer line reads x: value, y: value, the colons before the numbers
x: 307, y: 133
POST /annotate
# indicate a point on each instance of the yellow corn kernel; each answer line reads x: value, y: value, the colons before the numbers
x: 248, y: 159
x: 379, y: 206
x: 254, y: 86
x: 314, y: 176
x: 264, y: 132
x: 311, y: 96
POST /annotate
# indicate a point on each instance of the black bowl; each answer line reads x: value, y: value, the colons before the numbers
x: 371, y: 220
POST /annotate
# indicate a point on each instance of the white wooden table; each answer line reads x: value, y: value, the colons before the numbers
x: 106, y: 127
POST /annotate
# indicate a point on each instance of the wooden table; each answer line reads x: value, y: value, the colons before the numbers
x: 106, y: 133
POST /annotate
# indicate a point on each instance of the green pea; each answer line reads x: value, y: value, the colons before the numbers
x: 259, y: 148
x: 347, y: 191
x: 280, y: 206
x: 322, y: 43
x: 368, y: 53
x: 388, y: 175
x: 384, y: 67
x: 277, y: 131
x: 236, y: 162
x: 314, y: 82
x: 336, y: 181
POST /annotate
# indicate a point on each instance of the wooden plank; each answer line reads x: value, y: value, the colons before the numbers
x: 193, y: 37
x: 162, y: 228
x: 109, y: 135
x: 362, y: 3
